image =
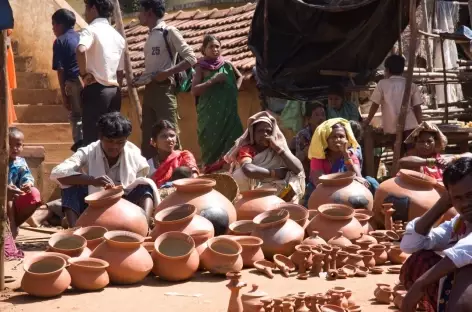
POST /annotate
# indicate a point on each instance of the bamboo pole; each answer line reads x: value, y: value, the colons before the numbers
x: 132, y: 91
x: 441, y: 42
x: 407, y: 93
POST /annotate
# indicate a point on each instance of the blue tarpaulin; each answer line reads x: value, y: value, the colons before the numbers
x: 6, y: 15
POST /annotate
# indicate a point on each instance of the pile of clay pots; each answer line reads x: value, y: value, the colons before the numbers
x: 385, y: 294
x: 337, y: 299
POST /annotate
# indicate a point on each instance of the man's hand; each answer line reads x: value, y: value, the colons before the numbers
x: 161, y: 76
x: 88, y: 79
x: 13, y: 192
x: 412, y: 298
x: 26, y: 187
x: 103, y: 181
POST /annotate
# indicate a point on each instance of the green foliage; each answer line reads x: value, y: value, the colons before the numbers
x: 129, y: 6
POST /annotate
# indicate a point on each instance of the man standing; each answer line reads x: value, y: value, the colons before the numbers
x: 101, y: 62
x: 163, y: 44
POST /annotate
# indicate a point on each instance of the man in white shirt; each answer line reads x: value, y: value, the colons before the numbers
x: 442, y: 282
x: 164, y: 49
x: 101, y: 62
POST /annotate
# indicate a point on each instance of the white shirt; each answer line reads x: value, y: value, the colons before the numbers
x: 104, y: 51
x: 389, y: 95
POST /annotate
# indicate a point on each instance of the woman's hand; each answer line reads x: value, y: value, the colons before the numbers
x: 274, y: 145
x: 412, y: 298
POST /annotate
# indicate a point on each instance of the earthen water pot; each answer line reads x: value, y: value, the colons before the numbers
x: 296, y: 213
x: 380, y: 253
x: 279, y: 233
x: 352, y: 249
x: 314, y: 240
x: 340, y: 188
x: 175, y: 257
x: 368, y: 258
x: 396, y: 255
x: 341, y: 258
x: 334, y: 218
x: 254, y: 202
x: 210, y: 203
x: 355, y: 260
x: 107, y: 208
x: 340, y: 240
x: 342, y: 291
x: 93, y: 235
x: 45, y: 276
x: 412, y: 194
x: 384, y: 295
x: 252, y: 299
x: 129, y: 261
x: 242, y: 227
x: 252, y: 250
x: 88, y: 273
x: 222, y: 255
x: 365, y: 241
x: 181, y: 218
x: 364, y: 218
x: 69, y: 244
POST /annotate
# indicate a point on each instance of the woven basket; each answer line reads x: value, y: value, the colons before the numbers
x: 225, y: 184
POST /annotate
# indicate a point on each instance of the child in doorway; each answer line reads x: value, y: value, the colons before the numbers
x: 65, y: 63
x: 339, y: 107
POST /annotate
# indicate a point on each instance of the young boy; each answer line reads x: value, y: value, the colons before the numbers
x: 65, y: 63
x: 25, y: 197
x: 389, y: 94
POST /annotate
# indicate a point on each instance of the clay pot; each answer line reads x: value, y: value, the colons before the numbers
x: 341, y: 258
x: 380, y: 254
x: 69, y: 244
x: 222, y: 255
x: 314, y: 240
x: 384, y: 295
x: 181, y: 218
x: 334, y: 218
x: 242, y: 227
x: 174, y: 256
x: 355, y: 260
x: 129, y: 261
x: 364, y: 221
x: 365, y: 240
x: 396, y: 255
x: 297, y: 213
x: 235, y: 285
x: 342, y: 291
x: 106, y: 208
x: 317, y: 264
x: 265, y: 267
x: 88, y: 273
x: 256, y: 201
x: 392, y: 236
x: 45, y: 276
x: 210, y: 204
x: 329, y: 308
x: 284, y: 264
x: 368, y: 258
x: 300, y: 255
x: 252, y: 250
x: 355, y: 308
x: 352, y: 249
x: 200, y: 238
x: 412, y: 194
x: 340, y: 188
x: 279, y: 233
x: 149, y: 246
x: 398, y: 298
x: 93, y: 235
x: 252, y: 299
x: 339, y: 240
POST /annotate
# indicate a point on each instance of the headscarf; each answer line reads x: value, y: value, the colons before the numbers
x: 319, y: 141
x: 441, y: 140
x: 248, y: 136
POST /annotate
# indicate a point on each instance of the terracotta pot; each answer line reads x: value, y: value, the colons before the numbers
x: 174, y: 256
x: 379, y: 285
x: 235, y: 304
x: 340, y: 188
x: 300, y: 255
x: 352, y: 249
x: 200, y: 238
x: 252, y: 299
x: 368, y: 258
x: 355, y: 308
x: 329, y: 308
x: 398, y: 299
x: 284, y: 264
x: 334, y: 218
x: 88, y: 273
x: 350, y: 299
x: 380, y: 236
x: 314, y: 240
x: 181, y: 218
x: 68, y: 244
x: 365, y: 240
x: 396, y: 255
x: 384, y: 295
x: 210, y: 203
x: 355, y: 260
x: 45, y: 276
x: 149, y: 246
x: 265, y: 267
x: 341, y: 258
x: 398, y: 287
x: 297, y: 213
x: 340, y: 240
x: 252, y: 250
x: 256, y: 201
x: 279, y: 233
x: 129, y: 261
x: 412, y: 194
x: 364, y: 221
x: 106, y: 208
x: 222, y: 255
x: 93, y: 235
x: 380, y: 254
x: 242, y: 227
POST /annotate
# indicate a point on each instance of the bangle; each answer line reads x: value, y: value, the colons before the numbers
x: 349, y: 162
x: 430, y: 162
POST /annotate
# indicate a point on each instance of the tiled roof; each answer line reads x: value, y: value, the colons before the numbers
x: 230, y: 26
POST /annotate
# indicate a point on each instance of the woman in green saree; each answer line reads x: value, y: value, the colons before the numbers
x: 215, y: 85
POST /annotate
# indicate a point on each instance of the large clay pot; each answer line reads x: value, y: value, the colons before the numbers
x: 175, y: 257
x: 297, y: 213
x: 340, y: 188
x: 364, y: 219
x: 181, y: 218
x: 129, y: 261
x: 314, y: 240
x: 339, y: 240
x: 334, y: 218
x: 93, y: 235
x: 411, y: 193
x: 69, y: 244
x: 107, y: 208
x: 222, y: 255
x: 252, y: 250
x: 254, y: 202
x: 88, y: 273
x: 210, y: 204
x: 279, y: 233
x: 45, y: 276
x: 242, y: 227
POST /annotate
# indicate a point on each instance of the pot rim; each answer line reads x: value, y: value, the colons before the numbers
x: 340, y: 178
x: 256, y: 240
x: 43, y: 256
x: 76, y: 262
x: 331, y: 307
x: 296, y: 208
x: 234, y: 243
x: 357, y: 256
x: 362, y: 217
x: 325, y: 208
x: 259, y: 192
x: 191, y: 211
x: 97, y: 198
x: 377, y: 247
x: 112, y: 234
x: 365, y: 253
x: 281, y: 213
x: 235, y: 224
x: 174, y: 234
x: 80, y: 231
x: 190, y: 185
x: 417, y: 178
x: 58, y: 254
x: 57, y: 236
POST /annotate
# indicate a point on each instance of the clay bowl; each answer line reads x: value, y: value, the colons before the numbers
x: 68, y: 244
x: 349, y: 269
x: 392, y: 235
x: 88, y: 273
x: 394, y: 270
x: 376, y: 270
x: 296, y: 212
x: 93, y: 235
x: 252, y: 251
x: 362, y: 271
x: 265, y: 267
x: 242, y: 227
x: 284, y: 264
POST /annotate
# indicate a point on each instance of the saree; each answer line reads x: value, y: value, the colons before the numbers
x: 218, y: 123
x: 11, y: 77
x: 176, y: 159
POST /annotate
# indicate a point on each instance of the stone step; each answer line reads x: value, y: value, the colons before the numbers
x: 49, y: 189
x: 41, y: 113
x: 24, y: 63
x: 36, y: 96
x: 55, y: 152
x: 45, y: 132
x: 29, y: 80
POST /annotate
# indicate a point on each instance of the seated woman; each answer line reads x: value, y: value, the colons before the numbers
x: 110, y: 161
x: 339, y: 107
x: 169, y: 164
x: 263, y: 159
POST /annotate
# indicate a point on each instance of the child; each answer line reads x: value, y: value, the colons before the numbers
x: 338, y: 107
x: 65, y: 63
x: 26, y: 197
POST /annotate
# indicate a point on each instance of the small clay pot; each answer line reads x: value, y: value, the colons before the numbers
x: 222, y: 255
x: 242, y: 227
x: 329, y: 308
x: 68, y: 244
x: 376, y: 270
x: 296, y: 212
x: 392, y: 236
x: 363, y: 217
x: 93, y: 234
x: 362, y: 271
x: 314, y: 240
x: 88, y: 273
x: 340, y: 241
x: 355, y: 260
x: 396, y: 255
x: 341, y: 258
x: 384, y: 295
x: 379, y: 236
x: 365, y: 240
x: 349, y: 269
x: 355, y: 308
x: 252, y: 299
x: 368, y: 258
x: 300, y: 255
x: 352, y: 249
x: 252, y: 251
x: 379, y: 285
x: 380, y: 254
x: 398, y: 298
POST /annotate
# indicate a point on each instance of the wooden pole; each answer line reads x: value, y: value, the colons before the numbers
x: 470, y: 11
x: 266, y: 32
x: 429, y: 50
x: 3, y: 152
x: 407, y: 94
x: 132, y: 92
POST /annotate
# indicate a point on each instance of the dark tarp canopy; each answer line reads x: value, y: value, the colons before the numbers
x: 305, y: 37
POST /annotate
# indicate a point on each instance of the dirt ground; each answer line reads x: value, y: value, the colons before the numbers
x: 204, y: 293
